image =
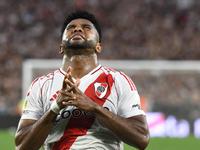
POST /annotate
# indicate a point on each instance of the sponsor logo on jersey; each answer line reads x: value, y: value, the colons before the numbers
x: 25, y: 112
x: 75, y: 113
x: 25, y: 103
x: 137, y: 105
x: 100, y: 89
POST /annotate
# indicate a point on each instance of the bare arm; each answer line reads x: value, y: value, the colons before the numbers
x: 133, y: 131
x: 31, y: 134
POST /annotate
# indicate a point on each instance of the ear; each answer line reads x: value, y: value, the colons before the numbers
x: 61, y: 49
x: 99, y: 48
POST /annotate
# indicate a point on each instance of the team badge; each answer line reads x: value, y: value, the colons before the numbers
x: 25, y: 103
x: 100, y: 89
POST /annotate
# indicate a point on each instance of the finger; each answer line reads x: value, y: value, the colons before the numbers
x: 64, y: 85
x: 73, y: 87
x: 67, y: 94
x: 69, y: 74
x: 67, y: 103
x: 77, y: 83
x: 69, y: 99
x: 70, y: 77
x: 70, y: 83
x: 69, y: 69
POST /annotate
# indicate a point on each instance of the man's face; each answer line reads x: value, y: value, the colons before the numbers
x: 80, y: 34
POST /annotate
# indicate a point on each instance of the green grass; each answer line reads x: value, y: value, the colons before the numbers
x: 189, y: 143
x: 7, y: 139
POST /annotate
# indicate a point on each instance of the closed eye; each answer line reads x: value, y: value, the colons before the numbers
x: 70, y: 27
x: 87, y: 27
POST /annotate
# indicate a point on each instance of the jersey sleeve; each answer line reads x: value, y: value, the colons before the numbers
x: 129, y: 100
x: 33, y: 107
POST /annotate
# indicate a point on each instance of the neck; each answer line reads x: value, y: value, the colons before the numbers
x: 80, y: 64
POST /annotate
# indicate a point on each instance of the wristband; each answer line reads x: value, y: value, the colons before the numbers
x: 54, y: 107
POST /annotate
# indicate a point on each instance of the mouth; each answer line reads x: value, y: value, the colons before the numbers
x: 77, y: 37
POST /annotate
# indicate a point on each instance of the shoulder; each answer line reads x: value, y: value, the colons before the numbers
x: 120, y: 78
x: 41, y: 81
x: 49, y: 76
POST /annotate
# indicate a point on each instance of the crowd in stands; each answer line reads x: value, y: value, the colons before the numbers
x: 173, y: 93
x: 139, y: 30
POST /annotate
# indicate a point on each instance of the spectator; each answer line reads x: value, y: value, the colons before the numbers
x: 144, y: 29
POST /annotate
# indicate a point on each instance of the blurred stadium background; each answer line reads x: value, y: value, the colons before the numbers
x: 139, y: 30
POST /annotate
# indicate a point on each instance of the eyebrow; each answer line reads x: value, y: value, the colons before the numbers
x: 69, y: 26
x: 73, y: 25
x: 86, y: 25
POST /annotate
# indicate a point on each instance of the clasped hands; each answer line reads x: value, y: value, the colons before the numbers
x: 70, y: 94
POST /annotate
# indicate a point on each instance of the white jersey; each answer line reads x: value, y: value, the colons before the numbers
x: 75, y: 129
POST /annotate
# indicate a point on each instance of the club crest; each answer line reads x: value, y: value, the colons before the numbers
x: 100, y: 89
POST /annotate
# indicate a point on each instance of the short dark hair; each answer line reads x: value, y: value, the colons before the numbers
x: 84, y: 15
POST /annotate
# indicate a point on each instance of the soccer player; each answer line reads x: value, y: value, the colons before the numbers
x: 82, y: 105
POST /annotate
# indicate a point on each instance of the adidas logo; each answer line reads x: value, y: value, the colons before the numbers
x: 54, y: 96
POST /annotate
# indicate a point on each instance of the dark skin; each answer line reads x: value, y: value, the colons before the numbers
x: 31, y: 134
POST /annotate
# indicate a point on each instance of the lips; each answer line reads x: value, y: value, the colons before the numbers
x: 77, y: 36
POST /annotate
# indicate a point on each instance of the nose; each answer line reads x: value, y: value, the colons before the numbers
x: 78, y: 29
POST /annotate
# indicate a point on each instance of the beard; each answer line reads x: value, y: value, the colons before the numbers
x: 84, y: 45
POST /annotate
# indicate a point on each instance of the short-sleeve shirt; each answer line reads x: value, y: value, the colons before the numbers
x: 75, y: 129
